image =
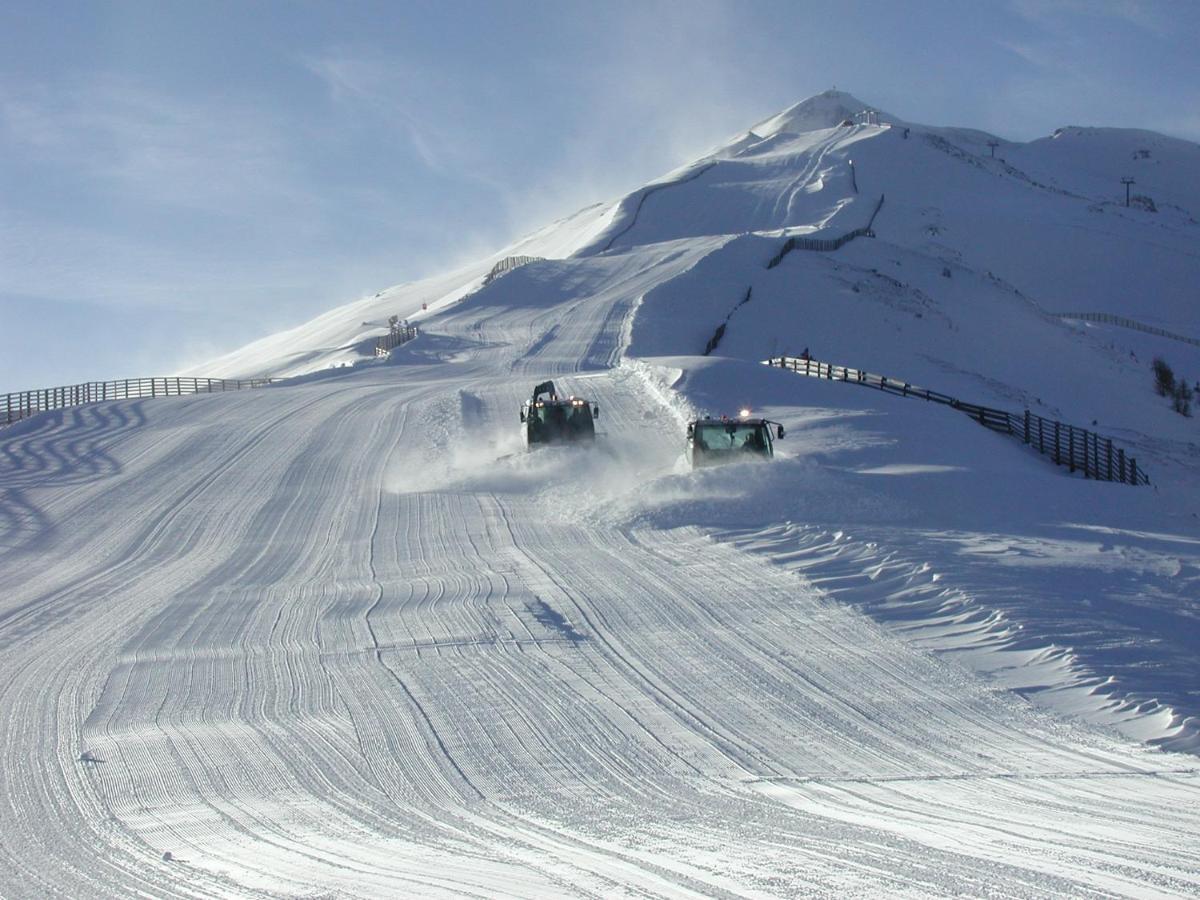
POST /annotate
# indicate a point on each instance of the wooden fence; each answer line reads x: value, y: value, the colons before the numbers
x: 507, y: 265
x: 1077, y: 448
x: 798, y: 242
x: 397, y: 335
x: 22, y: 404
x: 715, y: 340
x: 1121, y: 321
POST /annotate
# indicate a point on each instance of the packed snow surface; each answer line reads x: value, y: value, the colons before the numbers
x: 345, y: 636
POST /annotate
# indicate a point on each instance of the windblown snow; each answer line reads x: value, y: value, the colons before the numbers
x: 346, y: 636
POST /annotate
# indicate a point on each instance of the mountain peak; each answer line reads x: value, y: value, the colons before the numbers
x: 825, y: 110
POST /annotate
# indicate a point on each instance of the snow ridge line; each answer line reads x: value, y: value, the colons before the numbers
x: 657, y: 382
x: 910, y: 598
x: 652, y: 189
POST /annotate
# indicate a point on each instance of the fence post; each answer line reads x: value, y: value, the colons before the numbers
x: 1133, y: 472
x: 1057, y: 444
x: 1109, y: 443
x: 1121, y: 462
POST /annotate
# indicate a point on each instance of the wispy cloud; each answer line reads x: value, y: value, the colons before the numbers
x: 1033, y: 54
x: 1075, y: 62
x: 654, y: 86
x: 136, y: 199
x: 671, y: 86
x: 95, y: 266
x: 212, y: 154
x: 422, y: 104
x: 1059, y: 14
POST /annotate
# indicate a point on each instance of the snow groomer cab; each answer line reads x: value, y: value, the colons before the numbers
x: 712, y: 441
x: 550, y: 419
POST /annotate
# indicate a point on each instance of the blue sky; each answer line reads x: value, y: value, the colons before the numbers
x: 177, y: 179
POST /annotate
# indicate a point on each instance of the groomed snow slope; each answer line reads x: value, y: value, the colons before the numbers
x: 337, y: 639
x: 344, y: 636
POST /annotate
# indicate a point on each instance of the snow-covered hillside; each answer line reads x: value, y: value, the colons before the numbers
x: 345, y: 636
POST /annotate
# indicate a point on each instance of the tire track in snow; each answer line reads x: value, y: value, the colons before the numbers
x: 130, y: 860
x: 787, y: 197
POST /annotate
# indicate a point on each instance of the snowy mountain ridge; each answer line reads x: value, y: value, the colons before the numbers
x: 817, y: 113
x: 805, y: 153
